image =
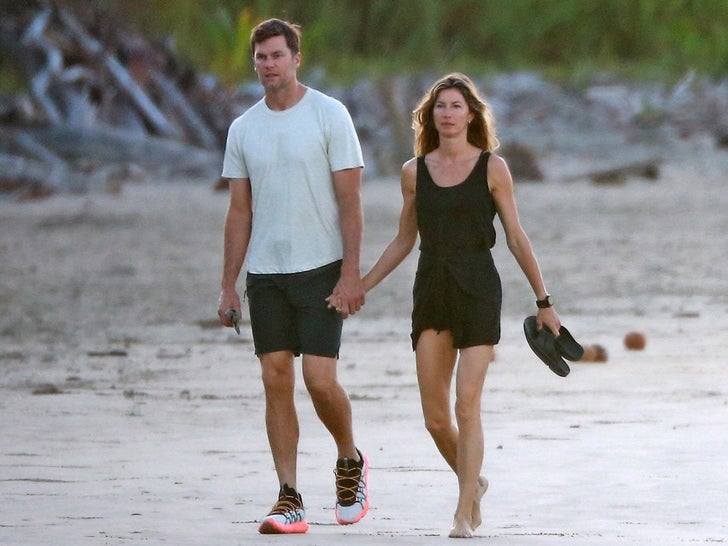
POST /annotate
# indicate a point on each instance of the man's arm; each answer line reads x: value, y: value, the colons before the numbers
x: 350, y: 288
x: 236, y: 236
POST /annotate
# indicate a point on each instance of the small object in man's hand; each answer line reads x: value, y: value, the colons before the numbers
x: 233, y: 316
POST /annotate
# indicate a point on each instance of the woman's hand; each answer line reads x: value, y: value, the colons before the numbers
x: 548, y: 317
x: 334, y: 301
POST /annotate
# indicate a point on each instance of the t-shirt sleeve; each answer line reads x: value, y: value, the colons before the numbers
x: 233, y: 163
x: 343, y: 143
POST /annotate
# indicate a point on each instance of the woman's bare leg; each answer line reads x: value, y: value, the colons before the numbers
x: 435, y: 365
x: 472, y: 367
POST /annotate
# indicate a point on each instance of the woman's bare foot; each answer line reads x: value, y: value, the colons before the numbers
x: 461, y: 529
x: 476, y: 517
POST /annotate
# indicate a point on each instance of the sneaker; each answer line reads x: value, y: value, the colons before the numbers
x: 352, y: 489
x: 287, y: 515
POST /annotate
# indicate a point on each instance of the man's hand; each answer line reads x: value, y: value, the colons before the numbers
x: 348, y: 295
x: 228, y: 309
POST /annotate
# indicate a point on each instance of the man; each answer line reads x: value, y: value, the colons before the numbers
x: 294, y: 164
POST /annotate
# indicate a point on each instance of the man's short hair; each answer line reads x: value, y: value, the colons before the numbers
x: 276, y: 27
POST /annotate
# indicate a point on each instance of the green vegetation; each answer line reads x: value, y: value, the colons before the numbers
x: 10, y: 80
x: 637, y: 38
x: 347, y: 38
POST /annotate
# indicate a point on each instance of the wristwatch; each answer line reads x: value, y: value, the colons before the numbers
x: 548, y: 301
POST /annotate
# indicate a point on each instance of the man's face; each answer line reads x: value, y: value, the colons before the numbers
x: 275, y: 64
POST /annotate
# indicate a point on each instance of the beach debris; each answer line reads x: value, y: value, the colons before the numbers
x: 86, y: 72
x: 721, y: 136
x: 522, y: 161
x: 112, y: 352
x: 594, y: 353
x: 635, y: 341
x: 646, y: 168
x: 47, y: 388
x: 686, y: 314
x: 132, y: 393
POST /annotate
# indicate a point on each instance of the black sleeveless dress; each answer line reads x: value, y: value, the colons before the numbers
x: 457, y: 286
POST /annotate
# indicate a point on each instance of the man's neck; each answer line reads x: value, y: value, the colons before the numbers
x: 285, y: 98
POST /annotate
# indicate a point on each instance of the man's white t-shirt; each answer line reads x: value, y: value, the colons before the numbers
x: 289, y: 157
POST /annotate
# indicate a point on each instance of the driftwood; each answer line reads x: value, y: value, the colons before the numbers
x: 105, y: 145
x: 645, y: 168
x: 193, y: 122
x: 40, y: 81
x: 93, y: 49
x: 40, y: 161
x: 522, y: 161
x: 23, y: 178
x: 100, y: 101
x: 721, y: 136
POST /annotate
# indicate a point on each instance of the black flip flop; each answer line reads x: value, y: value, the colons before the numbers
x: 543, y: 344
x: 568, y: 346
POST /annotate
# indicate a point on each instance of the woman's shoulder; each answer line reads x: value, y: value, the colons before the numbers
x: 410, y: 166
x: 498, y: 173
x: 496, y: 164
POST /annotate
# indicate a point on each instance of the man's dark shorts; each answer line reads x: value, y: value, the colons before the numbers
x: 289, y: 312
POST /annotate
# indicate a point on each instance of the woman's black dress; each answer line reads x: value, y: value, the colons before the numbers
x: 457, y: 286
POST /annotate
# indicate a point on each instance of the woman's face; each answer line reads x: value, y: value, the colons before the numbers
x: 451, y: 113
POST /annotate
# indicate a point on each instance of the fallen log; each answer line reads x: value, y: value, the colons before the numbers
x: 644, y: 168
x: 160, y: 156
x: 23, y: 179
x: 19, y: 142
x: 522, y: 161
x: 39, y: 161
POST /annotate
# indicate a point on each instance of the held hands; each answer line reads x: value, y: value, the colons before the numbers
x: 348, y: 296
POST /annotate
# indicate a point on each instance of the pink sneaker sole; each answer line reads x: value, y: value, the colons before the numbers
x: 271, y: 527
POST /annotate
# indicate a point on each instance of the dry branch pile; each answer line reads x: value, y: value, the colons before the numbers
x: 100, y: 101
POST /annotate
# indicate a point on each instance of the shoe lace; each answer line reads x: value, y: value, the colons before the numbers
x: 347, y: 484
x: 286, y: 506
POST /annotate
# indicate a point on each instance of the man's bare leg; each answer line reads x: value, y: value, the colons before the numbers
x: 330, y: 402
x: 281, y: 420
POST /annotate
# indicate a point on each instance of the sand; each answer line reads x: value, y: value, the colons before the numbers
x: 130, y: 417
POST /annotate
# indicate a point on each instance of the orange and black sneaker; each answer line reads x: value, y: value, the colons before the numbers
x: 287, y: 515
x: 352, y: 489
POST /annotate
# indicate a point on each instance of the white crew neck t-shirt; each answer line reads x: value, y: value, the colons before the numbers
x: 289, y: 157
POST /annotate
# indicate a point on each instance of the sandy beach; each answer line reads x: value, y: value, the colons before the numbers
x: 129, y: 416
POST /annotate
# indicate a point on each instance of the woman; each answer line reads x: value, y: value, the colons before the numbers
x: 452, y: 189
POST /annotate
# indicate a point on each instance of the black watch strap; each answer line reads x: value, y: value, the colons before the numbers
x: 548, y: 301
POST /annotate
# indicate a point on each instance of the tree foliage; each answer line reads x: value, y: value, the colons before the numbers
x: 346, y: 37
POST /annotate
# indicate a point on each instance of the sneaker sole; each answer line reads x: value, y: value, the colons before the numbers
x: 365, y: 508
x: 272, y: 527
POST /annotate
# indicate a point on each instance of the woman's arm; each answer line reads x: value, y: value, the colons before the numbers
x: 501, y: 187
x: 402, y: 244
x: 399, y: 247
